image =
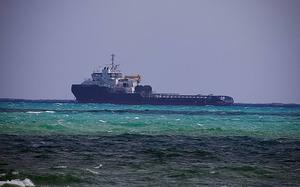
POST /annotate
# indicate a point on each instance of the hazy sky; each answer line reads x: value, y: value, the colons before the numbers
x: 248, y: 49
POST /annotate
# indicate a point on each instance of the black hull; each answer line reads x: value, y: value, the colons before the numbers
x: 97, y: 94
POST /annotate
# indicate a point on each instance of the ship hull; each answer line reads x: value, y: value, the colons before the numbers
x: 97, y: 94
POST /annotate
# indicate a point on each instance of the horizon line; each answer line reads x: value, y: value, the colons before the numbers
x: 74, y: 101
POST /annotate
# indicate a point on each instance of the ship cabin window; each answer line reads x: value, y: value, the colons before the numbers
x: 115, y: 75
x: 96, y: 76
x: 125, y: 84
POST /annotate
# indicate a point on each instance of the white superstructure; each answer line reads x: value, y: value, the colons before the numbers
x: 111, y: 77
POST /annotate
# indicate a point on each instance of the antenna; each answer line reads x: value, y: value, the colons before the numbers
x: 112, y: 59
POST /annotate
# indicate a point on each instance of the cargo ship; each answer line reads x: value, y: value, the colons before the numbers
x: 110, y: 86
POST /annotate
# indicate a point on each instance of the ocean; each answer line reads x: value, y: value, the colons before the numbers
x: 71, y: 144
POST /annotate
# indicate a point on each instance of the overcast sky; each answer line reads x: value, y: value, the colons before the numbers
x: 247, y: 49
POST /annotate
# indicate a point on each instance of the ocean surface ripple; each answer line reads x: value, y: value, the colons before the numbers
x: 69, y: 144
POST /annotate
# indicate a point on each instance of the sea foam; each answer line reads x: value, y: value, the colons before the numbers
x: 99, y: 166
x: 91, y: 171
x: 18, y: 182
x: 59, y: 167
x: 33, y: 112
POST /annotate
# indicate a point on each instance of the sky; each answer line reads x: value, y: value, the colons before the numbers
x: 247, y: 49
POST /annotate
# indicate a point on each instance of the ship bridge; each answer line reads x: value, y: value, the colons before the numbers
x: 110, y: 76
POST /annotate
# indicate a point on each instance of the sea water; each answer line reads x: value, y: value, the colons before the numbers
x: 71, y: 144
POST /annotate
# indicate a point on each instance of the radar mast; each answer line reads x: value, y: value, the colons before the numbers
x: 112, y: 60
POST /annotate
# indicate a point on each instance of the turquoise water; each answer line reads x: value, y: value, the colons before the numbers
x: 71, y: 144
x: 106, y: 119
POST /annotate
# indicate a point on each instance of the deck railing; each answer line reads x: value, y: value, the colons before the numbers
x: 179, y: 96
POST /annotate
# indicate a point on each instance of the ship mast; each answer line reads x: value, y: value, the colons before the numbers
x: 113, y: 66
x: 112, y: 60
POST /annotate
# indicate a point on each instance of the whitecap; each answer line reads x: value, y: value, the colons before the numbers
x: 136, y: 118
x: 60, y: 121
x: 199, y: 124
x: 177, y: 119
x: 33, y: 112
x: 60, y: 167
x: 50, y: 111
x: 28, y: 182
x: 2, y: 174
x: 18, y: 182
x: 99, y: 166
x: 91, y: 171
x: 102, y: 121
x: 15, y: 173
